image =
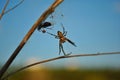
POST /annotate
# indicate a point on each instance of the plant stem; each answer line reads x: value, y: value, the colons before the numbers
x: 4, y: 9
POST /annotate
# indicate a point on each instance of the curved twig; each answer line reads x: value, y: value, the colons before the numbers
x: 57, y: 58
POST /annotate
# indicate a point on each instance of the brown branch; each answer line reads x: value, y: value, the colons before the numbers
x: 57, y: 58
x: 27, y: 36
x: 4, y: 9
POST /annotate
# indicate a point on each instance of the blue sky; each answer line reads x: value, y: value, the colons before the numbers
x: 94, y: 25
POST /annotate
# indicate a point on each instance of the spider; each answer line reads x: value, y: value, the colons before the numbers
x: 44, y: 25
x: 62, y: 39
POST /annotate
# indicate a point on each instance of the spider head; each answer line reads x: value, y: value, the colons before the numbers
x: 60, y: 34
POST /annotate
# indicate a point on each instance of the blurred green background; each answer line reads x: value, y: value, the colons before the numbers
x: 43, y: 73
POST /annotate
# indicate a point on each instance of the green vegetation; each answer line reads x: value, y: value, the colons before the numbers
x: 64, y: 74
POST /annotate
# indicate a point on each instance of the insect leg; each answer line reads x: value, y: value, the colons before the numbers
x: 39, y: 27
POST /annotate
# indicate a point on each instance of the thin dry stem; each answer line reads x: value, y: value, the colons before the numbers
x: 14, y: 7
x: 4, y: 12
x: 4, y: 9
x: 57, y: 58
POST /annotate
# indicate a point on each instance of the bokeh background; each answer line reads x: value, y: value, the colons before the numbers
x: 94, y: 26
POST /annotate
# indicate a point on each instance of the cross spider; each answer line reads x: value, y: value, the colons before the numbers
x: 62, y: 39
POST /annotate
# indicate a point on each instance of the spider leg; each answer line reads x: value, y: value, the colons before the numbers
x: 64, y: 32
x: 62, y: 49
x: 71, y: 42
x: 52, y: 35
x: 59, y: 47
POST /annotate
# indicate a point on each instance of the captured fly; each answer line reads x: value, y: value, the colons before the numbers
x: 44, y: 25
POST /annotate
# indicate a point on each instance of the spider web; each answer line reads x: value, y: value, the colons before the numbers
x: 56, y: 17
